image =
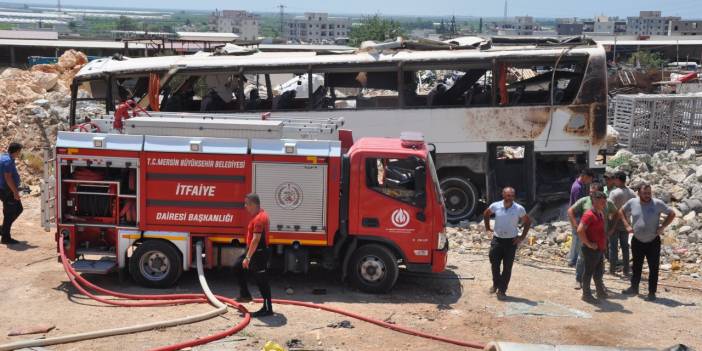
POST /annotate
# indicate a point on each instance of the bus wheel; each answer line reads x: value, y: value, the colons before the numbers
x: 373, y: 269
x: 155, y: 264
x: 460, y: 198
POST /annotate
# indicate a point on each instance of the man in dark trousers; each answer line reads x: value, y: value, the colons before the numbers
x: 255, y: 261
x: 505, y: 238
x: 619, y: 196
x: 591, y: 231
x: 578, y: 190
x: 641, y: 217
x: 579, y: 209
x: 9, y: 192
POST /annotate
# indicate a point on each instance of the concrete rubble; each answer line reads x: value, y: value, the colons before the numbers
x: 676, y: 178
x: 34, y: 106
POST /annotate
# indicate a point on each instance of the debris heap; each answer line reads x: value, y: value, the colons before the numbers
x: 34, y: 106
x: 676, y: 178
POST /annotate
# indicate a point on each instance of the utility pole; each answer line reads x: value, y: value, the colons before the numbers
x: 614, y: 54
x: 59, y: 6
x: 505, y: 14
x: 282, y: 18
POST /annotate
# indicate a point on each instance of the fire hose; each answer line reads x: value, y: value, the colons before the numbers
x: 162, y: 300
x: 174, y: 299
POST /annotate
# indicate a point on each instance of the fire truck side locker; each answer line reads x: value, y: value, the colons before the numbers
x: 298, y: 182
x: 95, y: 178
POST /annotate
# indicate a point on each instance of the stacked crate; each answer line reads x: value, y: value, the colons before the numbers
x: 653, y: 122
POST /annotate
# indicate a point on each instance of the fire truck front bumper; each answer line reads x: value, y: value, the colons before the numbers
x: 439, y: 258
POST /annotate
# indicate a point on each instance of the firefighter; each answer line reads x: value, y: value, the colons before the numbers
x: 9, y: 191
x: 255, y: 262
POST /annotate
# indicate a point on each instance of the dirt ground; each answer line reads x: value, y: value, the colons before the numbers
x: 543, y: 307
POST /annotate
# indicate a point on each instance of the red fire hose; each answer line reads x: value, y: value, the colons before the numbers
x: 174, y: 299
x: 397, y: 328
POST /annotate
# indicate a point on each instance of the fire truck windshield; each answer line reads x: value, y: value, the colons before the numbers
x: 435, y: 180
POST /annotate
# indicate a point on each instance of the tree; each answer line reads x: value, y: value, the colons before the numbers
x: 646, y: 60
x: 126, y: 23
x: 375, y: 28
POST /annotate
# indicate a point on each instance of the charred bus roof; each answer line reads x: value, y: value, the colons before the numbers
x: 410, y: 54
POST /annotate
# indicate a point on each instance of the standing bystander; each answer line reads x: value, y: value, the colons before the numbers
x: 619, y: 196
x: 505, y: 238
x: 641, y: 216
x: 9, y: 191
x: 578, y: 190
x: 592, y: 234
x: 581, y: 207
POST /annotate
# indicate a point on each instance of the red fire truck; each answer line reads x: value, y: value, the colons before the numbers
x: 135, y: 199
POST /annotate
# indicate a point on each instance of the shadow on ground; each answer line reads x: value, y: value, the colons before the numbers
x: 318, y: 286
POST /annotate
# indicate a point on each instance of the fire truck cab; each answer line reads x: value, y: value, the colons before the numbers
x: 137, y: 199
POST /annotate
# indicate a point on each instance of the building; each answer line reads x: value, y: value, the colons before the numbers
x: 525, y: 25
x: 569, y: 26
x: 316, y: 27
x: 520, y: 25
x: 242, y: 23
x: 609, y: 25
x: 650, y: 23
x: 604, y: 25
x: 685, y: 27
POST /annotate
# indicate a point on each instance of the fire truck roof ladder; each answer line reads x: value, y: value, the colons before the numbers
x: 225, y: 126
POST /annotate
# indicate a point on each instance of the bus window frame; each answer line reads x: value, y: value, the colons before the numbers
x: 399, y: 67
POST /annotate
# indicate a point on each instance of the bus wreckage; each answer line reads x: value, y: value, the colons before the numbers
x: 524, y: 112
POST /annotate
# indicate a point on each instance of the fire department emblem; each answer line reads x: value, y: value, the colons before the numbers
x: 400, y: 218
x: 288, y: 196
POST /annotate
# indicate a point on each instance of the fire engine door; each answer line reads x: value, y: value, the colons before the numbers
x: 393, y: 204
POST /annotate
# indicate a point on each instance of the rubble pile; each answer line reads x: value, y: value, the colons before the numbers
x: 675, y: 178
x: 34, y: 106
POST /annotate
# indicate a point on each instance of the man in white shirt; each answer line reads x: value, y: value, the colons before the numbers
x: 505, y: 238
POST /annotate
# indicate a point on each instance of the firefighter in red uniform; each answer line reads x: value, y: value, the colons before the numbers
x: 255, y: 261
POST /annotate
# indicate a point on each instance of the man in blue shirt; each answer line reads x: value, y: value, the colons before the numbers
x: 505, y: 238
x: 9, y: 191
x: 578, y: 190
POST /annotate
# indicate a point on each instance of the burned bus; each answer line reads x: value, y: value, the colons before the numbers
x: 529, y: 113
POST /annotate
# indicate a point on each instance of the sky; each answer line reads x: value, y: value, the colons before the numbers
x: 478, y: 8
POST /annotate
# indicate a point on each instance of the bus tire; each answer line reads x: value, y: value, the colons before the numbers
x: 156, y: 264
x: 373, y: 269
x: 460, y: 197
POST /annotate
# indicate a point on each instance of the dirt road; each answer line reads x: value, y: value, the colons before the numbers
x: 543, y: 308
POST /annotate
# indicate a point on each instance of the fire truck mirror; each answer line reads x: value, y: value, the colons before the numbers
x: 420, y: 184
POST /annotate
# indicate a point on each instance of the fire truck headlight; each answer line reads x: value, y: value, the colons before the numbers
x: 443, y: 240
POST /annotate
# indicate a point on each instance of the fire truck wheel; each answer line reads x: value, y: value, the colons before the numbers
x: 460, y: 198
x: 373, y: 268
x: 155, y: 264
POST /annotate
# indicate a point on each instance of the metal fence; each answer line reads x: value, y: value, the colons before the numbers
x: 650, y: 122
